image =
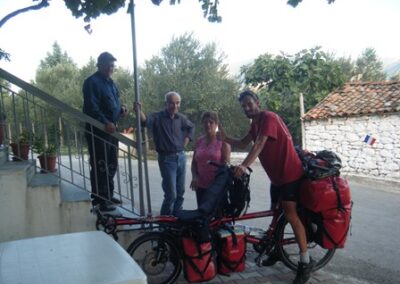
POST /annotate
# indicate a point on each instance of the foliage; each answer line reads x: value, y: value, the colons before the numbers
x: 4, y: 55
x: 294, y: 3
x: 58, y: 75
x: 23, y: 137
x: 56, y: 57
x: 42, y: 148
x: 91, y: 9
x: 123, y: 78
x: 42, y: 4
x: 280, y: 79
x: 369, y: 65
x: 199, y: 74
x: 395, y: 77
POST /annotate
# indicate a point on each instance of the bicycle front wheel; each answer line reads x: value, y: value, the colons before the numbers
x: 158, y: 256
x: 288, y: 249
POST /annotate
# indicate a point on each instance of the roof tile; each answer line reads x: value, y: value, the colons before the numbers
x: 357, y: 98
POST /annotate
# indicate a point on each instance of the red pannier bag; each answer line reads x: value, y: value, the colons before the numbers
x: 232, y: 251
x: 323, y: 194
x: 333, y: 226
x: 199, y: 260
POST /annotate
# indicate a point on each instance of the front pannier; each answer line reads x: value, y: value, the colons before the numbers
x: 231, y: 250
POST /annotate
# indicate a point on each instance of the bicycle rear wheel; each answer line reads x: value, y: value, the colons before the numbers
x: 288, y: 249
x: 158, y: 256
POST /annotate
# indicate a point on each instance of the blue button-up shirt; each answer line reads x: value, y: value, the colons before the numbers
x: 169, y: 133
x: 101, y: 99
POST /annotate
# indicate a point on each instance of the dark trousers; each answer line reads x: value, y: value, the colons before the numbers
x: 200, y: 193
x: 103, y: 165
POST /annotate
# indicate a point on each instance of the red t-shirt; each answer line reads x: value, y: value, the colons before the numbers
x: 278, y: 157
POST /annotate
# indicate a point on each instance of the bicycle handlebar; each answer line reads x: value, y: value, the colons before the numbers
x: 231, y: 167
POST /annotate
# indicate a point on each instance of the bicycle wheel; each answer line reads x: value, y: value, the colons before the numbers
x: 288, y: 249
x: 158, y: 256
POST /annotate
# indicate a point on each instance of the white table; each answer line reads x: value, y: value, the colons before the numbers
x: 87, y: 257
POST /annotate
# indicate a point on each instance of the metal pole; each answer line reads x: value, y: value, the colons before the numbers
x: 137, y: 99
x: 303, y: 132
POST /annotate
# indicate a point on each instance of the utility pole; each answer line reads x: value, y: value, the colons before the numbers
x: 141, y: 155
x: 303, y: 132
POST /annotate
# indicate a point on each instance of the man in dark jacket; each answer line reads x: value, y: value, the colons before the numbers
x: 101, y: 101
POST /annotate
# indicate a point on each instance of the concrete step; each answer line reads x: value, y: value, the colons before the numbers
x: 75, y: 207
x: 43, y: 206
x: 14, y: 177
x: 72, y: 193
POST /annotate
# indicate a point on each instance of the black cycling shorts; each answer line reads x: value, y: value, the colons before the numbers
x: 285, y: 192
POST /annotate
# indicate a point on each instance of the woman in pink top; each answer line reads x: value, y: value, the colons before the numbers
x: 208, y: 148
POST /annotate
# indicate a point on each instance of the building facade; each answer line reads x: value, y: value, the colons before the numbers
x: 361, y: 123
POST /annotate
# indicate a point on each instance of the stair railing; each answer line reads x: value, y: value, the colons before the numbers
x: 45, y: 122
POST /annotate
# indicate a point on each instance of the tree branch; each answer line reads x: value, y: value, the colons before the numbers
x: 42, y: 4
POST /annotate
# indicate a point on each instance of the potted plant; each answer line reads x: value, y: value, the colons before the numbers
x: 47, y: 154
x: 20, y: 145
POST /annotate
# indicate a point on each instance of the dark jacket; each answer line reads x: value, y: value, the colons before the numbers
x: 101, y: 99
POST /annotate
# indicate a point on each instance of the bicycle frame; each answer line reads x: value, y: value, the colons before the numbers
x: 111, y: 224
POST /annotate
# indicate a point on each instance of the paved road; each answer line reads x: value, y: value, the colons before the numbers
x: 372, y: 253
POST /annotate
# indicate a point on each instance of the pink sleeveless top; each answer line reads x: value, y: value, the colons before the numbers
x: 203, y: 153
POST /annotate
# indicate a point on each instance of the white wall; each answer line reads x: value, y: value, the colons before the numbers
x: 345, y: 136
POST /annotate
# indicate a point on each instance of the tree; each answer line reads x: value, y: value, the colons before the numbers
x: 58, y: 75
x: 369, y: 66
x: 395, y: 77
x: 199, y: 74
x: 42, y: 4
x: 91, y: 9
x: 280, y: 79
x: 55, y: 57
x: 294, y: 3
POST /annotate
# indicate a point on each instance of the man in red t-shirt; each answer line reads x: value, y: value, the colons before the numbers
x: 274, y: 147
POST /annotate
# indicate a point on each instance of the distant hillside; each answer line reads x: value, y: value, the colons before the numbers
x: 392, y: 68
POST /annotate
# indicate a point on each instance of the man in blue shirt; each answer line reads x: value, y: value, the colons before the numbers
x: 172, y: 131
x: 101, y: 101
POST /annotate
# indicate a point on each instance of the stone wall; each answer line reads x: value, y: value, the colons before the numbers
x: 345, y: 136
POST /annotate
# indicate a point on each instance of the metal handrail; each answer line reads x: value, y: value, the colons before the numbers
x: 60, y: 105
x: 27, y: 109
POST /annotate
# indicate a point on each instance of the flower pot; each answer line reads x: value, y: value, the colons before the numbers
x: 20, y: 151
x: 48, y: 163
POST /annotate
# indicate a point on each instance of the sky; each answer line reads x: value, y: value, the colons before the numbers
x: 249, y: 28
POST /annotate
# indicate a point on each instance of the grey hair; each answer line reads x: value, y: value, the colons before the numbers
x: 170, y: 94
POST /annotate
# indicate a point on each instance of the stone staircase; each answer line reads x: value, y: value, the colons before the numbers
x: 34, y: 204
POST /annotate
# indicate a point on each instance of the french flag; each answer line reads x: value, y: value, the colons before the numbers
x: 369, y: 140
